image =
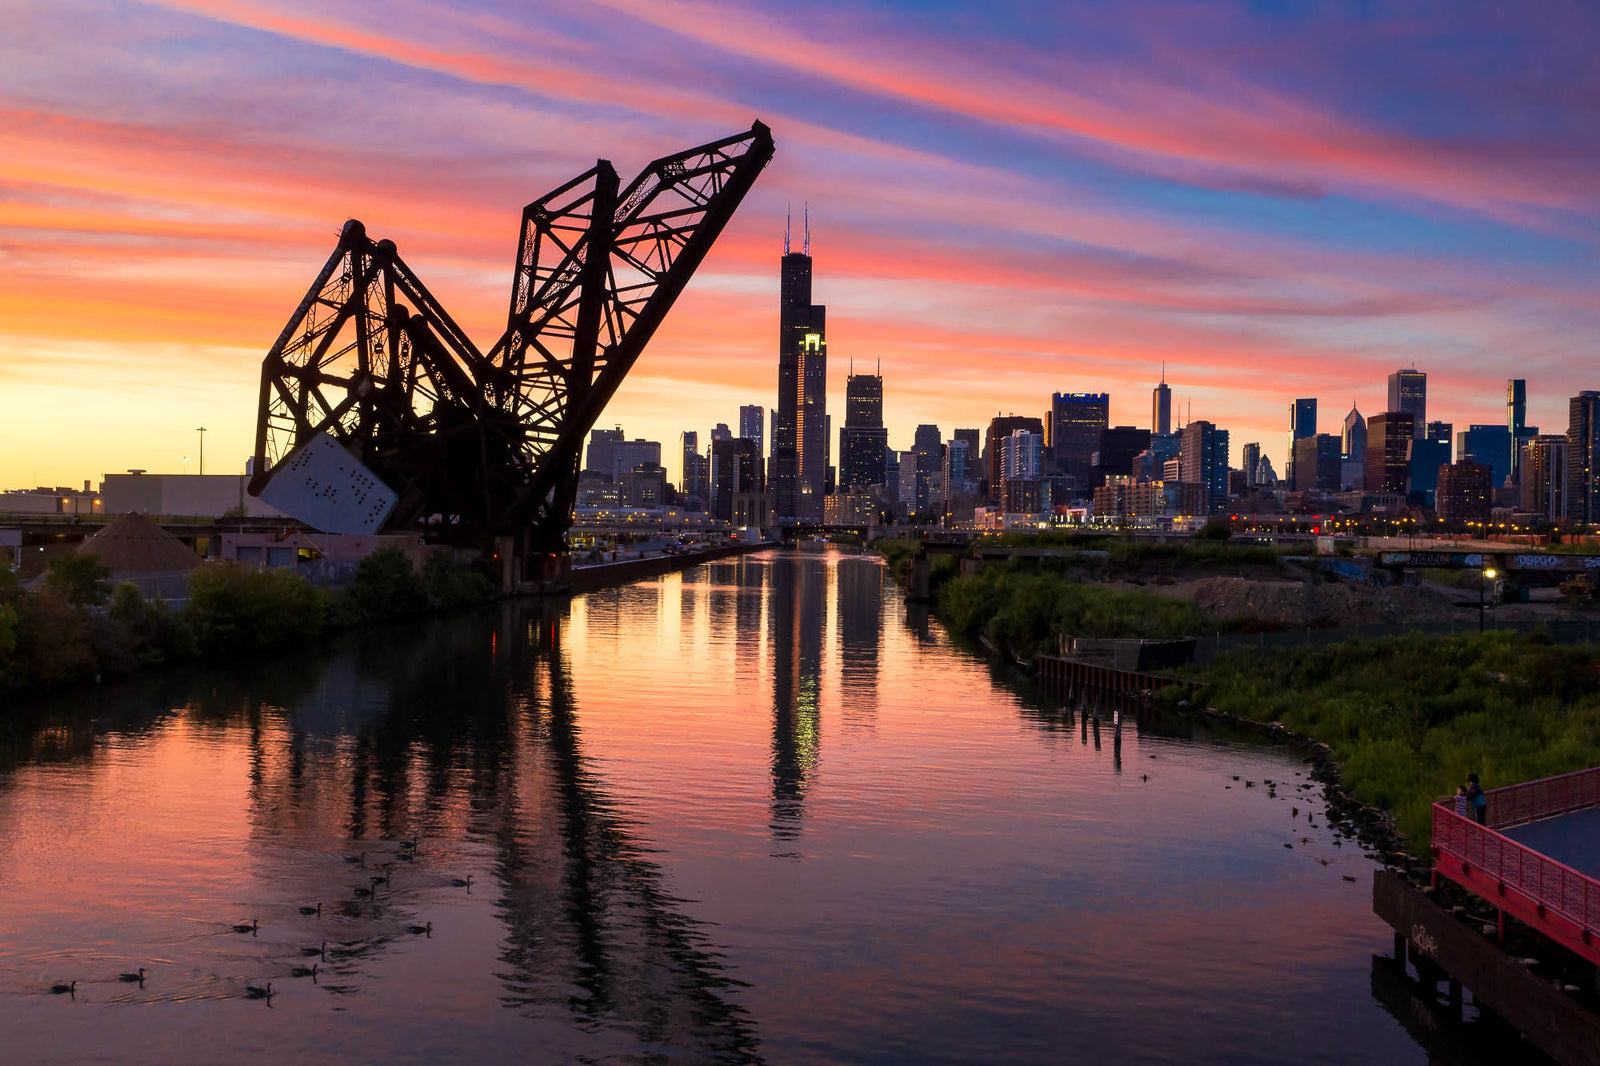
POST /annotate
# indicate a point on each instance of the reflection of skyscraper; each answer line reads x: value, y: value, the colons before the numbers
x: 799, y: 427
x: 859, y: 595
x: 797, y: 617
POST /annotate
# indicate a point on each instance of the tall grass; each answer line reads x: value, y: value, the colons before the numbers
x: 1024, y: 609
x: 1409, y: 717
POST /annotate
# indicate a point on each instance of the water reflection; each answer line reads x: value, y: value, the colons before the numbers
x: 635, y: 786
x: 795, y: 615
x: 465, y: 739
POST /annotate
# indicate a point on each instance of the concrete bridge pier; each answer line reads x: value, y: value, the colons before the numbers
x: 524, y: 572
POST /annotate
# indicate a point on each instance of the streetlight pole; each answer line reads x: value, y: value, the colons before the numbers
x: 202, y: 432
x: 1483, y: 579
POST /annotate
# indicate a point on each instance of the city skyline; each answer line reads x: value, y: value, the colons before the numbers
x: 1252, y: 221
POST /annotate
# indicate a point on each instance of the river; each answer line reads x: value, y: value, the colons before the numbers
x: 760, y: 811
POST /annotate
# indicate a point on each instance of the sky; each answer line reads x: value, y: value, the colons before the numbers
x: 1007, y: 199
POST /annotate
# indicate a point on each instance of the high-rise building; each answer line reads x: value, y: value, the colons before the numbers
x: 752, y: 417
x: 1427, y: 456
x: 863, y: 439
x: 1544, y: 476
x: 1408, y: 392
x: 737, y: 463
x: 1489, y: 444
x: 1203, y: 461
x: 956, y: 467
x: 1516, y: 424
x: 720, y: 431
x: 1161, y: 406
x: 799, y: 426
x: 1353, y: 438
x: 1250, y: 459
x: 1302, y: 424
x: 1001, y: 427
x: 1317, y: 463
x: 928, y: 446
x: 1077, y: 422
x: 692, y: 485
x: 1464, y: 496
x: 1119, y: 447
x: 601, y: 442
x: 907, y: 489
x: 1583, y: 455
x: 1389, y: 437
x: 1443, y: 432
x: 628, y: 454
x: 1021, y: 471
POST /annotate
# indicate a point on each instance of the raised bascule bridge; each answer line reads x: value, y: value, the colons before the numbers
x: 378, y: 412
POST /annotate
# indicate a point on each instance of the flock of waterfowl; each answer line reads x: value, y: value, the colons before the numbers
x: 407, y: 852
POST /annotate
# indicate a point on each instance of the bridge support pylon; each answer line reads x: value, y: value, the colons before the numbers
x: 527, y: 572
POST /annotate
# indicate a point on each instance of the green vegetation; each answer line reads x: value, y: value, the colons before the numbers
x: 1408, y: 718
x: 1023, y: 609
x: 66, y: 630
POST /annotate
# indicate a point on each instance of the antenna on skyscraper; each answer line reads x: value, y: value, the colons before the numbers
x: 788, y: 221
x: 1163, y: 371
x: 806, y: 249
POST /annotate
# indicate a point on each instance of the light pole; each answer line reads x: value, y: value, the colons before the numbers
x: 1488, y: 576
x: 186, y: 465
x: 202, y: 432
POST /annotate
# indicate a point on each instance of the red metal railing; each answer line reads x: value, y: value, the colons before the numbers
x: 1544, y: 881
x: 1550, y: 896
x: 1545, y: 798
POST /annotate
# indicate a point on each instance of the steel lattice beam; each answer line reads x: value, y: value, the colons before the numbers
x: 490, y: 443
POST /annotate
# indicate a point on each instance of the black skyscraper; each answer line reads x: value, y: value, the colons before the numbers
x: 799, y: 428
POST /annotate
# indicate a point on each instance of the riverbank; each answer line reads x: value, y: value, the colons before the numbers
x: 79, y: 627
x: 1388, y: 723
x: 610, y: 575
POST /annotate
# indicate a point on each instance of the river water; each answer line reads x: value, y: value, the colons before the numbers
x: 758, y: 811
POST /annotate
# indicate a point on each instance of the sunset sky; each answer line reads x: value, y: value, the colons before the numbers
x: 1007, y: 199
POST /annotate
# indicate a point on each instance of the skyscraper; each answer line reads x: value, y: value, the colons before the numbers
x: 1203, y: 461
x: 1389, y: 437
x: 1489, y: 444
x: 863, y: 439
x: 928, y: 447
x: 695, y: 468
x: 1408, y: 392
x: 751, y: 422
x: 1353, y: 440
x: 1516, y: 423
x: 601, y: 444
x: 1302, y: 424
x: 1583, y: 452
x: 1078, y: 422
x: 1250, y: 459
x: 1161, y: 406
x: 1001, y: 427
x: 1544, y: 476
x: 799, y: 425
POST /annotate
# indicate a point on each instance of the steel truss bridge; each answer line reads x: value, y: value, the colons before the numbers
x: 433, y: 431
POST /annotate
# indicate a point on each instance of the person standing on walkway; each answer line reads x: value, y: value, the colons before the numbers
x: 1475, y: 796
x: 1463, y: 805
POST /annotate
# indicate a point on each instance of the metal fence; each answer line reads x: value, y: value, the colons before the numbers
x: 1549, y: 884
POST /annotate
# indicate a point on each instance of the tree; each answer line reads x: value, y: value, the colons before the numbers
x: 79, y: 578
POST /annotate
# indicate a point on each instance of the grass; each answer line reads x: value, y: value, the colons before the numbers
x: 1408, y: 718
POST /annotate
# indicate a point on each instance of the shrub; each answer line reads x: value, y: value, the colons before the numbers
x: 52, y: 641
x: 232, y: 607
x: 1409, y: 717
x: 79, y: 578
x: 386, y: 585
